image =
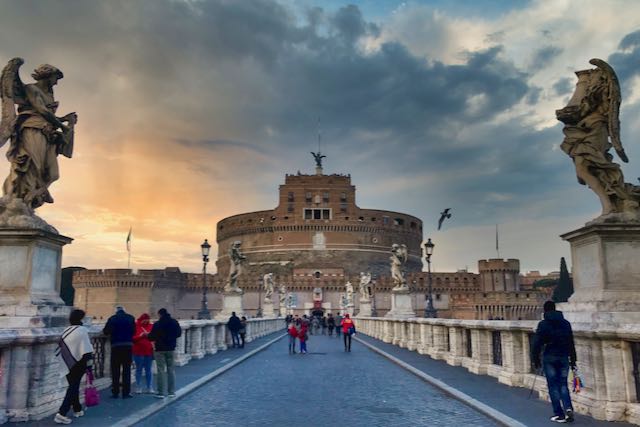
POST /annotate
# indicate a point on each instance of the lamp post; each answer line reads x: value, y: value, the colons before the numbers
x: 374, y: 312
x: 260, y: 284
x: 430, y: 311
x: 204, y: 310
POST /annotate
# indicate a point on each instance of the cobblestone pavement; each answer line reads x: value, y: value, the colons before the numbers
x: 326, y: 387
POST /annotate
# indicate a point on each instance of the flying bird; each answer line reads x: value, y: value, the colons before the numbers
x: 444, y: 215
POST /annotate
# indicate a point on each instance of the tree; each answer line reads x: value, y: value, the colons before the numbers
x: 564, y: 290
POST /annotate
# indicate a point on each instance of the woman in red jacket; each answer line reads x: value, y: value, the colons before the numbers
x: 143, y: 352
x: 348, y: 329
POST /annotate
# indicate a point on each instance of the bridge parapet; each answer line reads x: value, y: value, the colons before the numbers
x: 31, y: 387
x: 606, y: 357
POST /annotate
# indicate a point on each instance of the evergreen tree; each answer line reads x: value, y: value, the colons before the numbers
x: 564, y: 290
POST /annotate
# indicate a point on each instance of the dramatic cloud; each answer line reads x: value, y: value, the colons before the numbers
x: 191, y: 111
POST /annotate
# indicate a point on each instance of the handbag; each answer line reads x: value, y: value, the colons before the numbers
x: 352, y: 330
x: 91, y: 396
x: 576, y: 381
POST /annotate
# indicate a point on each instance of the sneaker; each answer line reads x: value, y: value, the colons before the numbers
x: 558, y: 419
x: 159, y: 396
x: 569, y: 415
x: 172, y: 395
x: 150, y: 391
x: 61, y: 419
x: 78, y: 414
x: 138, y: 390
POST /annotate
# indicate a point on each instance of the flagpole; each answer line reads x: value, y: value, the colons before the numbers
x: 497, y: 242
x: 129, y: 249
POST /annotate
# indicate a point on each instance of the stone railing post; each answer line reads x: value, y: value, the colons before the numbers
x: 183, y: 355
x: 426, y: 337
x: 457, y: 347
x: 411, y: 341
x: 513, y: 367
x: 397, y: 332
x: 481, y: 349
x: 196, y: 342
x: 388, y: 331
x: 209, y: 333
x: 221, y: 335
x: 440, y: 341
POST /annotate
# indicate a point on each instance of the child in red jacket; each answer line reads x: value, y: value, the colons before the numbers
x: 293, y: 334
x: 143, y: 352
x: 303, y: 336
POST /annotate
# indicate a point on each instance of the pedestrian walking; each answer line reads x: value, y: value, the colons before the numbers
x: 555, y: 336
x: 303, y: 336
x: 164, y: 334
x: 234, y: 325
x: 120, y: 328
x: 348, y: 329
x: 338, y: 325
x: 293, y: 334
x: 76, y: 352
x: 323, y: 323
x: 243, y: 330
x: 331, y: 324
x: 143, y: 353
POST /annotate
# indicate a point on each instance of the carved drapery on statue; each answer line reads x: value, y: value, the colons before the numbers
x: 399, y: 256
x: 365, y: 286
x: 592, y: 127
x: 349, y: 293
x: 236, y: 258
x: 267, y: 280
x: 37, y: 136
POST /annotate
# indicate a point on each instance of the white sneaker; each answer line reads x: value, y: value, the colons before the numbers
x: 138, y: 390
x: 557, y: 419
x: 61, y: 419
x: 78, y: 414
x: 172, y: 395
x: 159, y: 396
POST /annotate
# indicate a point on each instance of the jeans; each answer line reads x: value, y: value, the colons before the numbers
x: 338, y: 330
x: 292, y: 344
x: 347, y: 342
x: 166, y: 372
x: 330, y: 331
x: 556, y: 369
x: 121, y: 364
x: 143, y: 362
x: 303, y: 346
x: 242, y: 336
x: 235, y: 338
x: 72, y: 397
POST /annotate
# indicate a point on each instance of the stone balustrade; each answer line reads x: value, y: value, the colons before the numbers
x: 608, y: 359
x: 31, y: 387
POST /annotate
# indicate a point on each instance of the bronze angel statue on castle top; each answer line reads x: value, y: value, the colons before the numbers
x: 35, y: 133
x: 592, y: 128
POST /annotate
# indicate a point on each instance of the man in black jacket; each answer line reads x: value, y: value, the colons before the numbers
x: 234, y: 326
x: 555, y: 335
x: 120, y: 327
x: 164, y: 333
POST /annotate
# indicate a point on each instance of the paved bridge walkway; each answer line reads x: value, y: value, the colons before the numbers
x: 326, y: 387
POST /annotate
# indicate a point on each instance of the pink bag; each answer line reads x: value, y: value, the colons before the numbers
x: 91, y: 396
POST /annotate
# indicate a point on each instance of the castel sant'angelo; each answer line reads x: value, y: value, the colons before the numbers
x: 315, y: 241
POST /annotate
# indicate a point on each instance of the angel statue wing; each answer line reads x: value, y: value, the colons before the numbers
x: 614, y: 106
x: 11, y: 92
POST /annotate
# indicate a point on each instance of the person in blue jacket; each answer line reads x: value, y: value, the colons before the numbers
x: 555, y: 338
x: 120, y: 328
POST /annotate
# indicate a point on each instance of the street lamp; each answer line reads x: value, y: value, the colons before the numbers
x: 374, y: 312
x: 204, y: 314
x: 430, y: 311
x: 260, y: 284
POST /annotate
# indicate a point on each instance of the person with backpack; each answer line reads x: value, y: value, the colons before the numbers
x: 555, y: 336
x: 76, y: 351
x: 143, y: 353
x: 234, y: 325
x: 164, y: 334
x: 120, y: 328
x: 348, y: 329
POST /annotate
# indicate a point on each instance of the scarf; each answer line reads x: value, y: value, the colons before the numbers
x: 73, y: 344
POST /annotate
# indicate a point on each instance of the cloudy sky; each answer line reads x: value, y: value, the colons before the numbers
x: 191, y: 111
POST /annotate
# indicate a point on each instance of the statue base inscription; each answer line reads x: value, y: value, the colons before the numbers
x: 30, y: 262
x: 268, y: 310
x: 365, y: 309
x: 230, y: 302
x: 606, y: 274
x: 401, y: 304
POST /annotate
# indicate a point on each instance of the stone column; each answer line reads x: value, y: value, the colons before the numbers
x: 182, y: 357
x: 365, y: 308
x: 481, y: 348
x: 17, y: 398
x: 221, y: 335
x: 426, y: 337
x: 210, y: 345
x: 231, y: 302
x: 197, y: 341
x: 456, y: 345
x: 268, y: 311
x: 401, y: 304
x: 388, y: 331
x: 397, y: 332
x: 411, y: 339
x: 440, y: 339
x: 513, y: 368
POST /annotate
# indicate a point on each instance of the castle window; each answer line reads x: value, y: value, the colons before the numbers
x: 398, y: 221
x: 373, y: 219
x: 385, y: 220
x: 290, y: 196
x: 343, y: 207
x: 317, y: 214
x: 308, y: 214
x: 343, y: 197
x: 325, y: 197
x: 308, y: 197
x: 361, y: 218
x: 317, y: 274
x: 290, y: 208
x: 326, y: 214
x: 437, y: 297
x: 413, y: 224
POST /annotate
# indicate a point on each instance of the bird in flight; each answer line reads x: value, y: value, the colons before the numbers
x: 444, y: 215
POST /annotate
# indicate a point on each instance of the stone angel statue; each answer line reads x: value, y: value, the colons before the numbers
x: 36, y: 134
x: 365, y: 286
x: 236, y: 258
x: 592, y: 127
x: 267, y: 280
x: 349, y: 292
x: 399, y: 256
x: 283, y: 295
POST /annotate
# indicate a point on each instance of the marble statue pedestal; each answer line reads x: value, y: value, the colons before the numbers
x: 401, y: 304
x: 606, y: 274
x: 30, y: 262
x: 350, y: 309
x: 365, y: 308
x: 268, y: 310
x: 231, y: 301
